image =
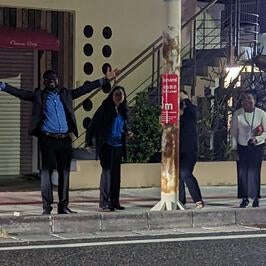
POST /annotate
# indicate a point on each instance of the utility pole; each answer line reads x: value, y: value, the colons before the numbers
x: 170, y: 108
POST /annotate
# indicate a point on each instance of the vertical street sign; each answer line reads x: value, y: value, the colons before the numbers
x: 170, y: 105
x: 170, y: 109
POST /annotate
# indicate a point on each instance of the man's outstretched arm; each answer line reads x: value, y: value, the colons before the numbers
x: 90, y: 86
x: 19, y: 93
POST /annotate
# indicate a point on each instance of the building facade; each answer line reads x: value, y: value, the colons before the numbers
x: 91, y: 34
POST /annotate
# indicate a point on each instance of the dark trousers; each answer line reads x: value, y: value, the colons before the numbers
x: 249, y: 170
x: 110, y: 158
x: 55, y: 154
x: 187, y: 163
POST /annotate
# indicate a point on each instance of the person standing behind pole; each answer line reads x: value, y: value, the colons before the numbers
x: 248, y: 138
x: 53, y: 120
x: 188, y: 151
x: 109, y: 127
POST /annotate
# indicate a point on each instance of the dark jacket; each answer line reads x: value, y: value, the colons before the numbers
x: 38, y: 98
x: 101, y: 126
x: 188, y: 129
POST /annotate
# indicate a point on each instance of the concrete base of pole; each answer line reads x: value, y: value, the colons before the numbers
x: 168, y: 202
x: 168, y: 206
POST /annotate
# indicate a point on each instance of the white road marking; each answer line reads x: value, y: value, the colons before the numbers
x: 128, y: 242
x: 58, y: 236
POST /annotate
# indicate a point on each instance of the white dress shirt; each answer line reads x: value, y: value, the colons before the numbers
x: 244, y: 124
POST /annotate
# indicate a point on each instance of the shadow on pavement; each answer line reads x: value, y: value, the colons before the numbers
x: 19, y: 183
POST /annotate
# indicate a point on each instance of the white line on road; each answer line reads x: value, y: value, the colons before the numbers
x: 60, y: 237
x: 137, y: 241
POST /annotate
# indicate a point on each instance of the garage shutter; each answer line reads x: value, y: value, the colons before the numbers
x: 17, y: 68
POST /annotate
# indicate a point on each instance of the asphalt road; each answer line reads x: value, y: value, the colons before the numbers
x: 209, y: 249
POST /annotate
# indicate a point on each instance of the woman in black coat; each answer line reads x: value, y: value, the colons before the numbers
x: 188, y: 151
x: 109, y: 129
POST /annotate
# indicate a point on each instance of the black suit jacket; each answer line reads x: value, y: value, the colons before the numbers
x: 188, y: 130
x: 38, y: 98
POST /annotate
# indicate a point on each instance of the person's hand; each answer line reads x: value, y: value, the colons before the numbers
x: 129, y: 135
x: 112, y: 74
x: 252, y: 141
x: 2, y: 85
x: 258, y: 131
x: 194, y: 100
x: 88, y: 148
x: 235, y: 155
x: 183, y: 96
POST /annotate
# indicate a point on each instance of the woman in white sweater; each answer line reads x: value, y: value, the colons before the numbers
x: 248, y: 138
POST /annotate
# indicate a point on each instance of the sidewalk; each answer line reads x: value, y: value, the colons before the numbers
x: 20, y: 212
x: 136, y: 200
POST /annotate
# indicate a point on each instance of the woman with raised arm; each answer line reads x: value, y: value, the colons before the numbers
x: 109, y: 129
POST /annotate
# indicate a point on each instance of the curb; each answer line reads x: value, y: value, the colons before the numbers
x: 128, y: 221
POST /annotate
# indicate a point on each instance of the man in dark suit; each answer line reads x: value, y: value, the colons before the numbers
x: 53, y: 120
x: 188, y: 150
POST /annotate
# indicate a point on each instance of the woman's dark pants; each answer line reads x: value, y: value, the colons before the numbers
x: 110, y: 158
x: 249, y: 170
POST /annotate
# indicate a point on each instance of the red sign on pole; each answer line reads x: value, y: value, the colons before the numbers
x: 170, y: 99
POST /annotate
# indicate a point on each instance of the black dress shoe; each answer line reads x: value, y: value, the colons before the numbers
x: 255, y: 203
x: 244, y: 203
x: 108, y: 209
x: 46, y: 212
x: 119, y: 207
x: 65, y: 210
